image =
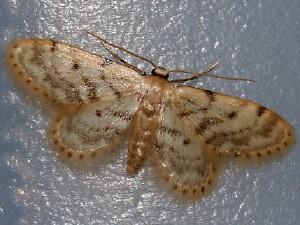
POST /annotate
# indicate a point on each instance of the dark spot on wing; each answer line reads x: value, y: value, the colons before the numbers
x: 122, y: 115
x: 206, y: 123
x: 110, y: 85
x: 240, y: 141
x: 170, y: 131
x: 98, y: 113
x: 37, y: 58
x: 53, y: 45
x: 171, y: 149
x: 91, y: 88
x: 102, y: 77
x: 209, y: 181
x: 269, y: 152
x: 203, y: 189
x: 241, y: 137
x: 232, y: 115
x: 69, y: 154
x: 75, y: 66
x: 186, y: 113
x: 210, y: 95
x: 92, y: 138
x: 51, y: 80
x: 115, y: 91
x: 261, y: 110
x: 72, y: 93
x: 186, y: 141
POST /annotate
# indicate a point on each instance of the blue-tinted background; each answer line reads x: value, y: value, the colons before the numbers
x: 258, y: 39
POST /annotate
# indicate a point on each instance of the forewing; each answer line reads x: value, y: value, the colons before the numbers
x: 181, y: 157
x: 232, y: 125
x: 93, y: 129
x: 65, y: 74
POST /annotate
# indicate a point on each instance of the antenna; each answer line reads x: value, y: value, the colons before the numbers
x: 121, y: 48
x: 204, y: 73
x: 195, y: 75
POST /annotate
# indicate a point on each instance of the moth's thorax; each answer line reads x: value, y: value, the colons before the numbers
x: 157, y: 84
x: 145, y: 122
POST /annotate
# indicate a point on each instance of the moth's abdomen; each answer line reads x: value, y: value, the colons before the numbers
x: 143, y: 131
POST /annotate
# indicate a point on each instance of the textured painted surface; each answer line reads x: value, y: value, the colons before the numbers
x: 256, y: 39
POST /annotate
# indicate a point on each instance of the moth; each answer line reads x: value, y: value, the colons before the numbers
x: 186, y: 131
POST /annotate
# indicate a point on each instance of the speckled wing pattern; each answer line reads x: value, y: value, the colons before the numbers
x: 233, y: 126
x: 94, y: 129
x: 67, y: 75
x: 93, y: 98
x: 180, y: 155
x: 187, y: 131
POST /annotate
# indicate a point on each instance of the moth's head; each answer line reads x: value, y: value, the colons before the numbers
x: 161, y: 72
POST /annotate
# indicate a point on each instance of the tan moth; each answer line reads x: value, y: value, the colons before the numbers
x: 185, y: 130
